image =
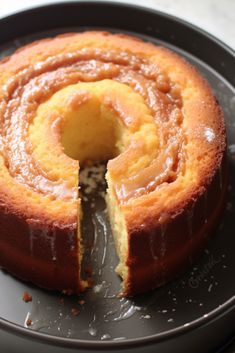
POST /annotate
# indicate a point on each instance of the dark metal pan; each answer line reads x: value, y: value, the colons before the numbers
x: 196, y: 312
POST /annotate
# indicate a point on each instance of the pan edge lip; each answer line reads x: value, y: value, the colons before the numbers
x: 220, y: 311
x: 128, y: 4
x: 207, y: 319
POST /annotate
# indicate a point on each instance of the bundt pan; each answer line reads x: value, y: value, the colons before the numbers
x: 196, y: 312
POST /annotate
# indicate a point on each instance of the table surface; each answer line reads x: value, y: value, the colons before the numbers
x: 215, y: 16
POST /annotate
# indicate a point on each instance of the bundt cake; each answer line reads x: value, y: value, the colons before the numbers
x: 102, y: 96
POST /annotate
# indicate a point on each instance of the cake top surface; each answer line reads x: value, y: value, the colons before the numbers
x: 169, y: 132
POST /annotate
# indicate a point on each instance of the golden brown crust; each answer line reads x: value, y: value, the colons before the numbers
x: 159, y: 218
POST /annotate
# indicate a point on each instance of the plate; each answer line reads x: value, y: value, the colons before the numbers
x: 201, y: 302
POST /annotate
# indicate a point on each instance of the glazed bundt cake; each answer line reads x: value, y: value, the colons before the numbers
x: 101, y: 96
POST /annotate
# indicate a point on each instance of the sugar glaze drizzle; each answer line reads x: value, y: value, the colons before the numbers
x: 42, y: 235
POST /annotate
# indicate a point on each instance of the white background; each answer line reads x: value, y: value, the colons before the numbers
x: 215, y: 16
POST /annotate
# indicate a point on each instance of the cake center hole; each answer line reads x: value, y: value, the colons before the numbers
x: 92, y: 132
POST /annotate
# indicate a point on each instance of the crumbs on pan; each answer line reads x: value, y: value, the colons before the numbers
x: 90, y: 176
x: 81, y: 302
x: 29, y: 322
x: 27, y: 297
x: 75, y: 311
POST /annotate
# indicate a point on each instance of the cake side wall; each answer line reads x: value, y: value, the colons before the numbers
x: 158, y: 255
x: 43, y: 255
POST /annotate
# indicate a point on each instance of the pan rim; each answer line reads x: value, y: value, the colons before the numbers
x: 98, y: 345
x: 213, y: 315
